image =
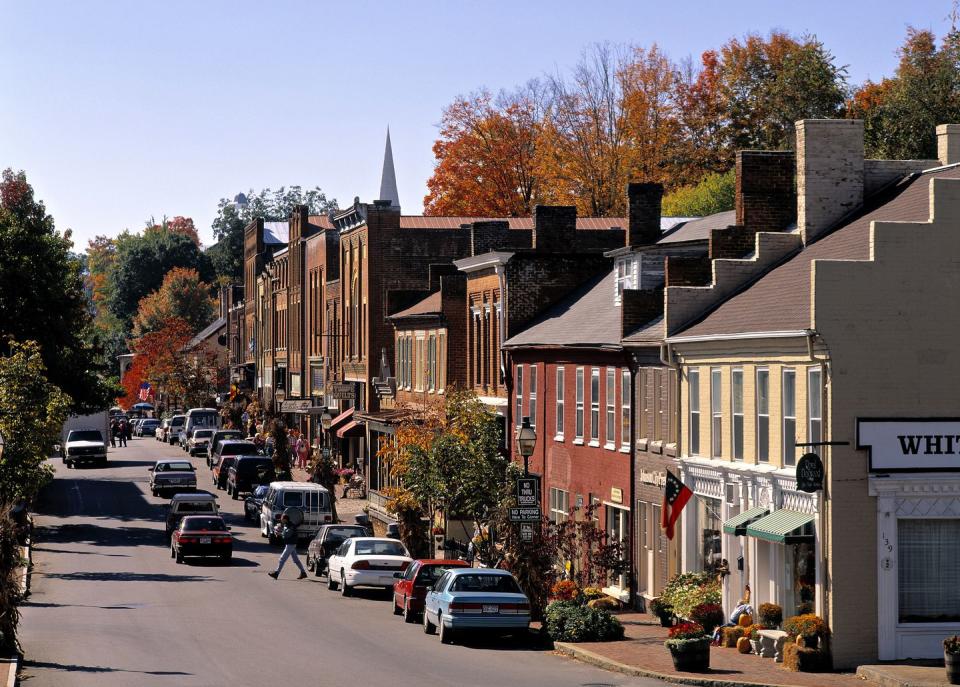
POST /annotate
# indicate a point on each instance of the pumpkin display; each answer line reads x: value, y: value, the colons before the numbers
x: 745, y: 620
x: 743, y: 645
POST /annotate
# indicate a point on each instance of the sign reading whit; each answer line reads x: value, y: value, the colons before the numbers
x: 810, y: 473
x: 343, y: 391
x: 528, y: 491
x: 910, y: 445
x: 525, y: 514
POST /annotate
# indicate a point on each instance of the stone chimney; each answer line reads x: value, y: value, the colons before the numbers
x: 554, y: 228
x: 948, y: 143
x: 829, y: 173
x: 643, y: 213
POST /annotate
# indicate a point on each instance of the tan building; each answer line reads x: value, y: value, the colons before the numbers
x: 830, y: 338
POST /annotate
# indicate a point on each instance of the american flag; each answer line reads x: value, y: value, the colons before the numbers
x: 675, y: 497
x: 144, y: 391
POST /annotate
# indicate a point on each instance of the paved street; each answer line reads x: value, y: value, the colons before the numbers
x: 110, y: 607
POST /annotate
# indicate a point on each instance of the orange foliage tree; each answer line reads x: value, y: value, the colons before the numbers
x: 182, y: 295
x: 177, y: 225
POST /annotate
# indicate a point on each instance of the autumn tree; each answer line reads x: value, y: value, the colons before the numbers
x: 181, y: 295
x: 486, y: 155
x: 162, y: 358
x: 178, y: 225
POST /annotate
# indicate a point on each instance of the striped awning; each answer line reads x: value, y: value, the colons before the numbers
x: 738, y: 523
x: 352, y: 429
x: 784, y: 527
x: 341, y: 419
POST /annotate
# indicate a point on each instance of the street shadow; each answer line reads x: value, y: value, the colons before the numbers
x: 35, y: 549
x: 98, y: 535
x: 214, y: 563
x: 121, y: 499
x: 74, y: 668
x: 130, y: 463
x: 530, y: 641
x: 98, y: 576
x: 40, y: 604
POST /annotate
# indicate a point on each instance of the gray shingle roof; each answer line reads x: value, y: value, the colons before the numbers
x: 699, y: 229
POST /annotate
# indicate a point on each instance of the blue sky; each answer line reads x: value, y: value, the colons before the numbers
x: 119, y: 111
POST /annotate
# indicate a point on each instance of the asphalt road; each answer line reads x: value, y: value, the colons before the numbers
x: 110, y: 607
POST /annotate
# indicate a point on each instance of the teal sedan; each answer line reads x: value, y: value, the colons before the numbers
x: 479, y: 599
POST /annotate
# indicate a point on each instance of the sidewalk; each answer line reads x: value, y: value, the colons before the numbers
x: 642, y: 653
x: 8, y: 672
x: 346, y: 508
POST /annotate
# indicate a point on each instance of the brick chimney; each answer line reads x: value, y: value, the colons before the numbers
x: 765, y: 195
x: 643, y: 213
x: 948, y: 143
x: 554, y: 228
x: 829, y: 173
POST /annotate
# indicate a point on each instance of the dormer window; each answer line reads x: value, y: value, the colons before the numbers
x: 625, y: 277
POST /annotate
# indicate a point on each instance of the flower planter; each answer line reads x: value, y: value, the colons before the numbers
x: 690, y: 655
x: 952, y: 663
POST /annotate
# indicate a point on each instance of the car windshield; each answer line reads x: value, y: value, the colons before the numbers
x: 194, y: 524
x: 175, y: 466
x: 177, y: 420
x: 202, y: 434
x: 237, y: 449
x: 380, y: 548
x: 430, y: 573
x: 485, y: 583
x: 153, y: 423
x: 196, y: 507
x: 342, y: 533
x: 84, y: 435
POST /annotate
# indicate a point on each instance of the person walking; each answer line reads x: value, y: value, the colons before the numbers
x: 302, y: 453
x: 114, y: 430
x: 288, y: 534
x: 122, y: 432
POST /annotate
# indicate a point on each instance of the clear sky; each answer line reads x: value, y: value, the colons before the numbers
x: 119, y: 111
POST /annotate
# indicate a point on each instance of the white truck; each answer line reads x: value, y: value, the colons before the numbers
x: 85, y: 438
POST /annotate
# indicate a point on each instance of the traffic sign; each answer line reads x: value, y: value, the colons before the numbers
x: 528, y: 491
x: 526, y: 531
x: 525, y: 514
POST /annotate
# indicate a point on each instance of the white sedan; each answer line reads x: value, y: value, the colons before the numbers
x: 366, y: 562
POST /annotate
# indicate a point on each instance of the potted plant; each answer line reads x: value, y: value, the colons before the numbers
x: 770, y: 615
x: 810, y: 627
x: 951, y: 658
x: 565, y: 590
x: 663, y: 611
x: 689, y: 647
x: 709, y: 615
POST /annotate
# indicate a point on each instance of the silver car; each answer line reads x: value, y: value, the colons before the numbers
x: 197, y: 443
x: 172, y: 476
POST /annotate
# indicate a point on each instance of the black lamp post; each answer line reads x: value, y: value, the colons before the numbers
x: 526, y: 442
x: 325, y: 421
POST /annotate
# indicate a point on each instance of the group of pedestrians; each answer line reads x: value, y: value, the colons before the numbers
x: 120, y: 431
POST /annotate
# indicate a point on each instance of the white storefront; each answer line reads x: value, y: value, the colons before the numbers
x: 774, y: 544
x: 915, y: 477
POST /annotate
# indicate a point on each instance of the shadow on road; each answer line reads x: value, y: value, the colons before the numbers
x: 73, y: 668
x: 80, y: 553
x: 39, y: 604
x: 126, y: 577
x: 98, y: 535
x: 212, y: 562
x: 66, y: 497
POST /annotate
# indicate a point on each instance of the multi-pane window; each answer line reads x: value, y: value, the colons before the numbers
x: 736, y: 403
x: 625, y: 408
x: 693, y: 392
x: 763, y: 415
x: 611, y: 407
x: 441, y: 362
x: 559, y: 408
x: 716, y: 413
x: 595, y: 405
x: 532, y: 396
x: 559, y: 505
x: 431, y: 363
x: 789, y: 405
x: 815, y: 405
x: 579, y: 420
x: 518, y: 387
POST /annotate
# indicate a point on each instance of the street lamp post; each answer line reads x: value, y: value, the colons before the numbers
x: 526, y: 442
x: 325, y: 421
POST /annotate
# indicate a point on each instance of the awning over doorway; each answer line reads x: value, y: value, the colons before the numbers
x: 784, y: 527
x: 341, y: 419
x: 738, y: 524
x: 351, y: 429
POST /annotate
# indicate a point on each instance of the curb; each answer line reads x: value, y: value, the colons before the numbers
x: 14, y: 669
x: 587, y: 656
x: 866, y: 672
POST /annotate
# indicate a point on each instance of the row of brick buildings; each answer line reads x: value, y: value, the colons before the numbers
x: 721, y: 348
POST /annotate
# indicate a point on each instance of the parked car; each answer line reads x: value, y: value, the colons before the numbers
x: 366, y: 562
x: 247, y: 472
x: 312, y: 499
x: 198, y: 442
x: 202, y: 535
x: 411, y: 586
x: 328, y: 539
x: 253, y: 503
x: 84, y: 445
x: 148, y: 427
x: 172, y: 475
x: 162, y: 428
x: 475, y: 599
x: 215, y: 439
x: 172, y: 434
x: 191, y: 503
x: 225, y: 457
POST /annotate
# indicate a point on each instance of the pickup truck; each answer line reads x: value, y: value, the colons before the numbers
x: 84, y: 445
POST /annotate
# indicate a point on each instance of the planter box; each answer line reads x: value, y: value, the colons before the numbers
x: 691, y: 656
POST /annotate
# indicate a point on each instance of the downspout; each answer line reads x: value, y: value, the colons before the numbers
x: 666, y: 357
x: 634, y: 535
x: 507, y: 380
x: 827, y: 457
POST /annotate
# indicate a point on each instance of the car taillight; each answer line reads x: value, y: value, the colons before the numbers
x: 187, y: 540
x: 457, y: 608
x: 222, y: 540
x: 515, y: 609
x: 360, y: 565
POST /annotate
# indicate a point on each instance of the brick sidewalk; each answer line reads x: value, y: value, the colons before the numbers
x: 643, y: 651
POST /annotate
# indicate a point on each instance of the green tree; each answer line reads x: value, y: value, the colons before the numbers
x: 714, y: 193
x: 232, y: 218
x: 42, y: 296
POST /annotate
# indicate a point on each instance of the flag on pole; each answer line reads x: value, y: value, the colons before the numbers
x: 675, y: 497
x: 144, y: 391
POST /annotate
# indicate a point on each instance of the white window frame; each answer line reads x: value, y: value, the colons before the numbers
x: 594, y: 406
x: 693, y: 410
x: 716, y: 412
x: 558, y: 421
x: 518, y: 391
x: 788, y: 456
x: 736, y: 414
x: 532, y: 395
x: 763, y: 415
x: 559, y: 504
x: 579, y: 422
x: 626, y: 397
x: 814, y: 406
x: 610, y: 424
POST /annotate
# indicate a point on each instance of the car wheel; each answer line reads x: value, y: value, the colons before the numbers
x: 310, y: 565
x: 428, y: 627
x: 331, y: 585
x: 69, y: 464
x: 272, y: 539
x: 408, y: 615
x: 228, y: 489
x: 317, y: 567
x: 345, y: 589
x: 446, y: 633
x: 155, y: 493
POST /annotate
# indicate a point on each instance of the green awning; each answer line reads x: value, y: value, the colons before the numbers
x: 738, y: 523
x: 784, y: 527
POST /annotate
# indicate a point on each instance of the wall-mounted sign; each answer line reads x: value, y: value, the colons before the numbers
x: 810, y: 473
x: 294, y: 406
x: 525, y: 514
x: 526, y: 531
x: 343, y: 391
x: 910, y: 445
x: 528, y: 492
x: 616, y: 495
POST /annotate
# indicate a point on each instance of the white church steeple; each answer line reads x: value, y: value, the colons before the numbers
x: 388, y: 181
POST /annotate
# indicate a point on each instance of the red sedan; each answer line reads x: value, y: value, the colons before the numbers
x: 202, y: 535
x: 410, y: 589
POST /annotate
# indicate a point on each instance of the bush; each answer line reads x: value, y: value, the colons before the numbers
x: 730, y: 635
x: 661, y: 608
x: 770, y: 615
x: 709, y: 615
x: 714, y: 193
x: 567, y: 621
x: 808, y: 625
x: 687, y: 631
x: 686, y: 591
x: 564, y: 590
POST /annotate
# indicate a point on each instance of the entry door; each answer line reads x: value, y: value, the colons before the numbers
x: 618, y: 529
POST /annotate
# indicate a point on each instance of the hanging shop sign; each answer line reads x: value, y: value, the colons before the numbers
x: 295, y: 406
x: 343, y: 391
x: 810, y: 473
x: 910, y: 444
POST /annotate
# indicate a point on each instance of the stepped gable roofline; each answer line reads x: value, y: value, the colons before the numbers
x: 780, y: 299
x: 429, y: 306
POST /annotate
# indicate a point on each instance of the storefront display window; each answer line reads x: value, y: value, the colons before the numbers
x: 801, y: 579
x: 929, y: 570
x: 708, y: 524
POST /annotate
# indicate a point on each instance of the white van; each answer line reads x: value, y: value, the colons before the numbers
x: 312, y: 499
x: 201, y: 418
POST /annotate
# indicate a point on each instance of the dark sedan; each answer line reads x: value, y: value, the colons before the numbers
x: 328, y: 540
x: 202, y: 535
x: 253, y: 503
x: 247, y: 472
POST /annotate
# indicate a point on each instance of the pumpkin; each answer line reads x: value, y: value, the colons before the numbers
x: 743, y: 645
x: 745, y: 620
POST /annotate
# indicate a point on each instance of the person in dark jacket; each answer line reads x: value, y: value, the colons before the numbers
x: 288, y: 533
